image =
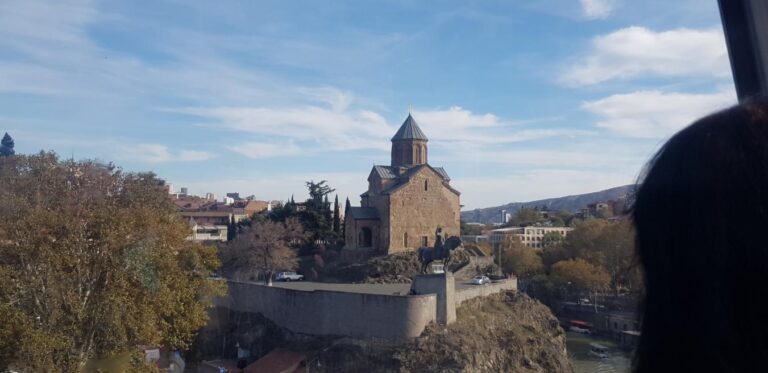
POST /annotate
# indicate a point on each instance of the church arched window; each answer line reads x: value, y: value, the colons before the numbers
x: 418, y: 154
x: 426, y: 185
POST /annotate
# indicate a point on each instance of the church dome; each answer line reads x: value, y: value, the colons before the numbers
x: 409, y: 131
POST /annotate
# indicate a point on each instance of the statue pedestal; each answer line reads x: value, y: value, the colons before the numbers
x: 444, y: 286
x: 437, y: 268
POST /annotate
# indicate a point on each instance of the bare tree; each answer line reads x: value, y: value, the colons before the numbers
x: 266, y: 247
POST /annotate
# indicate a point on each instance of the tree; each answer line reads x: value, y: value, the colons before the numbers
x: 581, y: 274
x: 264, y: 248
x: 326, y: 208
x: 520, y: 260
x: 525, y: 216
x: 336, y: 216
x: 469, y: 230
x: 609, y: 245
x: 617, y: 243
x: 318, y: 191
x: 6, y: 146
x: 93, y: 262
x: 551, y: 238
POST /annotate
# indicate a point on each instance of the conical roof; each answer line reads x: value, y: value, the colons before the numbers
x: 409, y: 131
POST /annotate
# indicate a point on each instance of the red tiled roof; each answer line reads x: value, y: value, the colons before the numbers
x: 276, y: 361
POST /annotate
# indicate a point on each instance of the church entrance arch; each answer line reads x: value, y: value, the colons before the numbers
x: 366, y: 237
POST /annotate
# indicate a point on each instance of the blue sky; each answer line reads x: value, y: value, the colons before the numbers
x: 520, y: 100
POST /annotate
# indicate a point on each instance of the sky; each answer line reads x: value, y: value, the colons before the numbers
x: 519, y: 100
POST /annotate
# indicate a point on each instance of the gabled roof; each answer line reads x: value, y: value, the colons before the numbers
x: 413, y: 170
x: 389, y: 172
x: 409, y: 131
x: 385, y: 172
x: 442, y: 173
x: 363, y: 213
x: 278, y: 360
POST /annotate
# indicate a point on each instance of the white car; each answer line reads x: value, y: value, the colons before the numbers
x: 288, y: 276
x: 481, y: 280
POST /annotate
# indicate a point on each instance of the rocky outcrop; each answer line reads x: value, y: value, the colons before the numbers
x: 402, y: 267
x: 389, y: 269
x: 506, y: 332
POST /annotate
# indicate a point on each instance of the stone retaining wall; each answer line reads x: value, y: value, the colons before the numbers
x: 484, y: 290
x: 321, y: 312
x: 359, y: 315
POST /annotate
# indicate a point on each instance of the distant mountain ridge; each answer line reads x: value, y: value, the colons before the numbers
x: 568, y: 203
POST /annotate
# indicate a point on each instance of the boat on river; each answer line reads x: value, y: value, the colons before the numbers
x: 597, y: 350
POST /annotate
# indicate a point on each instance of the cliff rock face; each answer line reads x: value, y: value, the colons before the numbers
x: 507, y: 332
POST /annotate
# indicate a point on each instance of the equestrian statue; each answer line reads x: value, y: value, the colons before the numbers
x: 442, y: 250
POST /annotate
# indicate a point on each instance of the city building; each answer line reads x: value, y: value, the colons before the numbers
x: 406, y: 201
x: 475, y: 238
x: 210, y: 220
x: 532, y: 236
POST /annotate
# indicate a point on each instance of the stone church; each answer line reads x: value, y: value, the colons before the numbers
x: 405, y: 202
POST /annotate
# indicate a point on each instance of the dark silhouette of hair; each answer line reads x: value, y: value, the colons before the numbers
x: 701, y: 215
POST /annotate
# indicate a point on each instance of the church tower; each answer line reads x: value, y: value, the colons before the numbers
x: 409, y: 145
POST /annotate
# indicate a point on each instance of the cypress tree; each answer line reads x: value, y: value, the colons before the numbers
x: 6, y: 146
x: 327, y: 209
x: 347, y: 206
x: 336, y: 216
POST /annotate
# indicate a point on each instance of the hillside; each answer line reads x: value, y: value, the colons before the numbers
x: 568, y: 203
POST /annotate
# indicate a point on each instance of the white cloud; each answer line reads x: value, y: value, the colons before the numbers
x: 326, y: 128
x: 459, y: 126
x: 655, y: 114
x: 261, y: 150
x: 339, y: 127
x: 596, y: 9
x: 156, y: 153
x: 637, y: 52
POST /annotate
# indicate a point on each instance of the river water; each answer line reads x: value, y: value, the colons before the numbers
x: 578, y: 348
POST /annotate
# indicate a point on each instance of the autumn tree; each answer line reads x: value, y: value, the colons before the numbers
x: 265, y: 247
x: 551, y: 238
x: 607, y: 244
x: 520, y: 259
x: 93, y: 262
x: 581, y: 274
x: 525, y: 216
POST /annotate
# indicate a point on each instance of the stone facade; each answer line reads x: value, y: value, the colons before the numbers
x: 405, y: 202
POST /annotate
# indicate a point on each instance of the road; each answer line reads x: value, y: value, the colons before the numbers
x: 387, y: 289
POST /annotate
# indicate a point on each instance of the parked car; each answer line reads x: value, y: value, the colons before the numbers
x: 481, y: 280
x: 288, y: 276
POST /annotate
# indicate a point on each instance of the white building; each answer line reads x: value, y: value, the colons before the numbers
x: 208, y: 232
x: 530, y: 236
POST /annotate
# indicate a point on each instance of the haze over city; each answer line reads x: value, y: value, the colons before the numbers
x: 519, y: 101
